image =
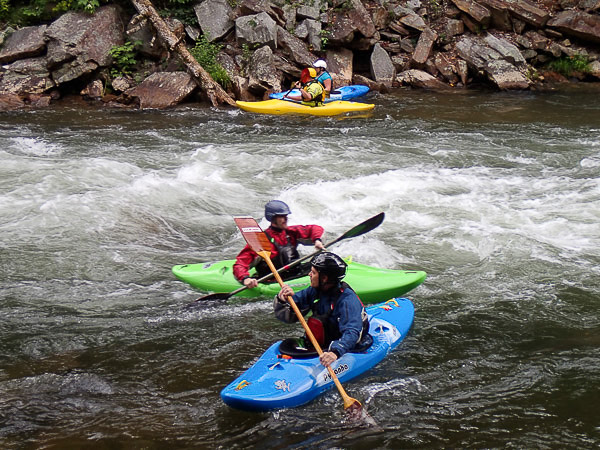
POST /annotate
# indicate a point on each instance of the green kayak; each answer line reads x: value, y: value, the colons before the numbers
x: 372, y: 284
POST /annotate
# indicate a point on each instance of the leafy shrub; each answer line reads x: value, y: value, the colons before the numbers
x: 89, y: 6
x: 123, y: 58
x: 206, y: 53
x: 567, y: 65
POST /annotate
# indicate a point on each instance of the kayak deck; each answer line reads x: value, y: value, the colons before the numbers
x: 277, y: 381
x: 340, y: 93
x: 372, y: 284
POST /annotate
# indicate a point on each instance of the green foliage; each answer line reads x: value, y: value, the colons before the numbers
x: 206, y: 53
x: 89, y: 6
x: 325, y: 35
x: 123, y: 58
x: 4, y: 6
x: 25, y: 13
x: 567, y: 65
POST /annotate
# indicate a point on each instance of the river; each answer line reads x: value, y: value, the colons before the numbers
x: 495, y: 195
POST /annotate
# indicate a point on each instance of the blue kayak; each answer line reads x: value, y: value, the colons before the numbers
x: 278, y: 380
x: 341, y: 93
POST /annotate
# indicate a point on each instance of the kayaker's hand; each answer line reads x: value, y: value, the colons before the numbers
x: 285, y: 292
x: 250, y: 283
x: 327, y: 358
x: 319, y: 245
x: 297, y: 84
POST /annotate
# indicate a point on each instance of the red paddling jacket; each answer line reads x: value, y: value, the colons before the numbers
x: 284, y: 245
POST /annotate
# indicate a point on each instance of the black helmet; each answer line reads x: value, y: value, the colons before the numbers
x: 276, y: 208
x: 330, y: 264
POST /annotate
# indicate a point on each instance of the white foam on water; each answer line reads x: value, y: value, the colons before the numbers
x: 34, y: 147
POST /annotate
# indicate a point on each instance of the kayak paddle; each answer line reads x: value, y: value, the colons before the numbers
x: 258, y: 241
x: 360, y: 229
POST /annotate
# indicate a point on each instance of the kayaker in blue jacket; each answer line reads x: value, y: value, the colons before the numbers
x: 339, y: 321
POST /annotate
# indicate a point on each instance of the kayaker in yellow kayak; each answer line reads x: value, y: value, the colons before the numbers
x: 323, y: 76
x: 311, y: 91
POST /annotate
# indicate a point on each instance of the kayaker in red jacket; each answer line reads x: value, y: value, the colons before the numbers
x: 284, y: 239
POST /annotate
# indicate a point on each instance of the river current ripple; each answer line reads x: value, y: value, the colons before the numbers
x: 495, y: 195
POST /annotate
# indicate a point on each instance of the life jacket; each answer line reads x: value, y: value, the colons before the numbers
x: 325, y: 331
x: 322, y: 76
x: 285, y: 255
x: 316, y: 100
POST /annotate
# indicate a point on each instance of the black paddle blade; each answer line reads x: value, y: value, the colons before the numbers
x: 365, y: 227
x: 215, y: 296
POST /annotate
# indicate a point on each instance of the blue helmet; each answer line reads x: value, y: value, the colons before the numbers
x: 276, y: 208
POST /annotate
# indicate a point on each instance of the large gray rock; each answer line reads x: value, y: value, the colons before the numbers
x: 10, y: 102
x: 213, y: 18
x: 480, y: 55
x: 479, y: 13
x: 382, y: 67
x: 311, y: 31
x: 506, y: 50
x: 262, y: 74
x: 420, y: 79
x: 79, y: 43
x: 346, y: 25
x: 25, y: 43
x: 163, y: 89
x: 339, y: 66
x: 423, y: 49
x: 256, y: 30
x: 26, y: 76
x: 295, y: 48
x: 409, y: 18
x: 578, y: 24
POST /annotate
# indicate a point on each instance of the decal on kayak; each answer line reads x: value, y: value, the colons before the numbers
x: 389, y: 305
x: 337, y: 371
x: 281, y: 385
x: 242, y: 384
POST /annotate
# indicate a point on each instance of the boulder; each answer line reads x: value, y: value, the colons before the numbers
x: 263, y: 76
x: 420, y: 79
x: 163, y: 89
x: 310, y: 30
x: 256, y: 30
x: 251, y: 7
x: 578, y: 24
x: 345, y: 24
x: 79, y: 43
x: 446, y: 68
x: 507, y: 51
x: 494, y: 62
x: 213, y: 18
x: 26, y: 76
x: 423, y: 49
x: 294, y: 48
x: 25, y: 43
x: 339, y: 66
x: 382, y: 67
x: 480, y: 14
x: 94, y: 90
x: 10, y: 102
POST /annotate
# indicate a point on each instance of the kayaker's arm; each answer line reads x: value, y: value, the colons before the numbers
x: 283, y: 310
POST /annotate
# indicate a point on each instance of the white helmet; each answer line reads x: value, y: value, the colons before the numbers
x: 320, y: 63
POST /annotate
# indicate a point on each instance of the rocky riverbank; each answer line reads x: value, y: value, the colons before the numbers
x: 433, y: 44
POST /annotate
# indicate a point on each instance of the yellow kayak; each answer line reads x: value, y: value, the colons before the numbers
x: 275, y: 106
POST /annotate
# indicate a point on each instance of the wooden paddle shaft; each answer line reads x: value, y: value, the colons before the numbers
x: 348, y: 401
